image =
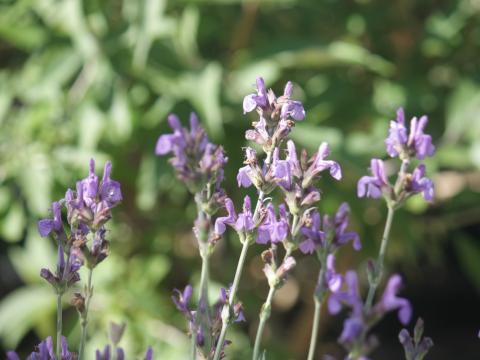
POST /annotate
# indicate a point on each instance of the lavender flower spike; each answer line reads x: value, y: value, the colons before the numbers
x: 416, y: 144
x: 372, y: 186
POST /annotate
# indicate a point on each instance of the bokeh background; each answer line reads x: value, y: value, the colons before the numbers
x: 82, y: 79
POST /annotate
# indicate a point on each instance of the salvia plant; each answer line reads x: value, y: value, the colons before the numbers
x: 284, y: 220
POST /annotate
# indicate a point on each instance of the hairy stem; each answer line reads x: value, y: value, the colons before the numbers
x: 380, y: 260
x: 233, y: 292
x: 314, y: 335
x: 59, y: 324
x: 84, y: 316
x: 264, y: 316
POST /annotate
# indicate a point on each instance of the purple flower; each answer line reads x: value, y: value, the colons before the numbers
x: 66, y: 273
x: 221, y: 222
x: 181, y: 300
x: 417, y: 143
x: 418, y: 182
x: 273, y: 109
x: 90, y: 186
x: 260, y: 99
x: 319, y: 164
x: 196, y: 160
x: 245, y: 219
x: 110, y: 189
x: 390, y: 301
x: 273, y: 230
x: 148, y: 354
x: 314, y: 236
x: 46, y: 226
x: 334, y: 280
x: 372, y: 186
x: 45, y: 351
x: 338, y: 227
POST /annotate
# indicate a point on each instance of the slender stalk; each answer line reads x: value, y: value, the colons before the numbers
x: 233, y: 292
x: 381, y: 257
x: 238, y: 272
x: 84, y: 317
x: 59, y: 324
x: 314, y: 335
x: 193, y: 346
x: 264, y: 315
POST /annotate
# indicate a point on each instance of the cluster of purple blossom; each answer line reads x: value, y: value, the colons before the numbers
x: 295, y: 223
x: 82, y: 243
x: 291, y: 221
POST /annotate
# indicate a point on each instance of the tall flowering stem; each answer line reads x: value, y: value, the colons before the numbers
x: 59, y: 323
x: 376, y: 275
x: 84, y: 314
x: 277, y: 116
x: 199, y: 165
x: 406, y: 145
x: 325, y: 237
x: 247, y: 240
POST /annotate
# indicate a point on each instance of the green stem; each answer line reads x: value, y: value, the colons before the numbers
x: 233, y: 292
x: 316, y: 322
x: 59, y: 324
x: 264, y: 316
x: 381, y: 257
x: 84, y: 316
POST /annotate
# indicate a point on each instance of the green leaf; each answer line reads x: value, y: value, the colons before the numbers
x: 13, y: 223
x: 38, y: 252
x: 21, y: 309
x: 120, y: 118
x: 147, y: 188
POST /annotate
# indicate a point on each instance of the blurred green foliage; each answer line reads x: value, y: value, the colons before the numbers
x: 81, y: 79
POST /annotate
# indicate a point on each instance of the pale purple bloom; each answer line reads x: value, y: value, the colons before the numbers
x: 148, y: 354
x: 90, y: 186
x: 181, y: 299
x: 66, y: 273
x: 273, y: 230
x: 338, y: 227
x: 293, y: 109
x: 417, y: 143
x: 372, y: 186
x: 269, y: 106
x: 260, y: 99
x: 230, y: 219
x: 45, y: 351
x: 110, y: 189
x: 245, y: 219
x: 359, y: 322
x: 314, y: 236
x: 243, y: 177
x: 418, y: 182
x: 46, y: 226
x: 334, y: 280
x: 390, y: 301
x: 319, y: 164
x: 195, y: 159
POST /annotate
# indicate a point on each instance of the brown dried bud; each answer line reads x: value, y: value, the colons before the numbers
x: 78, y: 301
